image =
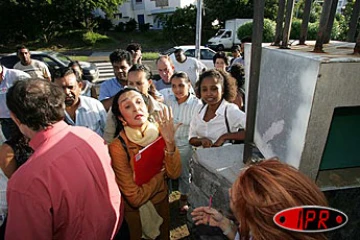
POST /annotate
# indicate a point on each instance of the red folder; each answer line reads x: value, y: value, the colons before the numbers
x: 149, y: 161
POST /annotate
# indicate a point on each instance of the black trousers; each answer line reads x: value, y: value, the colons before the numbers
x: 123, y: 233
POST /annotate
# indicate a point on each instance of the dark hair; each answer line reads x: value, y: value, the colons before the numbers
x: 20, y: 145
x: 74, y: 63
x: 65, y: 71
x: 237, y: 72
x: 235, y: 48
x: 221, y: 55
x: 37, y: 103
x: 246, y: 39
x: 228, y: 83
x: 21, y: 47
x: 179, y: 50
x: 115, y: 107
x: 120, y: 55
x: 133, y: 47
x: 180, y: 74
x: 142, y: 68
x: 148, y: 75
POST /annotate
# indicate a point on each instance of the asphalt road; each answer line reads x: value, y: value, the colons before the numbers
x: 106, y: 71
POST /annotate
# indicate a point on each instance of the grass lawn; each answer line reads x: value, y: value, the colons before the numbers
x: 74, y: 40
x: 73, y: 44
x: 79, y: 58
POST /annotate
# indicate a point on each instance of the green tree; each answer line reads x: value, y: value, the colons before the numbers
x: 268, y: 32
x: 30, y: 19
x: 315, y: 12
x: 181, y: 25
x: 230, y: 9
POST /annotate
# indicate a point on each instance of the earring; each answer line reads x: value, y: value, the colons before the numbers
x: 124, y: 123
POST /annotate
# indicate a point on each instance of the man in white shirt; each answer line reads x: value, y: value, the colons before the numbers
x: 33, y: 67
x: 7, y: 79
x: 191, y: 66
x: 80, y: 110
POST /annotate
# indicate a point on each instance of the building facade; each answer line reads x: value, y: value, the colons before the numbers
x: 145, y: 11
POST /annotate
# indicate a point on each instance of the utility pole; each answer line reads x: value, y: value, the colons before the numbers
x: 198, y: 29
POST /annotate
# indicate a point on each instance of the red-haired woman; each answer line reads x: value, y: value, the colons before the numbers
x: 261, y: 191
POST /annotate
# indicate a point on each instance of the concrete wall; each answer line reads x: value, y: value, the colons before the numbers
x: 213, y: 172
x: 298, y: 91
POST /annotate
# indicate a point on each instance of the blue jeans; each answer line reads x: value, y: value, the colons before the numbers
x: 184, y: 179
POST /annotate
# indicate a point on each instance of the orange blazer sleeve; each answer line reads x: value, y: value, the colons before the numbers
x: 173, y: 164
x: 134, y: 194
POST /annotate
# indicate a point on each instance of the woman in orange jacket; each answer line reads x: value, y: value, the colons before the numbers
x: 136, y: 133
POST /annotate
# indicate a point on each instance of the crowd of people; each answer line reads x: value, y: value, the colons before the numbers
x: 68, y: 166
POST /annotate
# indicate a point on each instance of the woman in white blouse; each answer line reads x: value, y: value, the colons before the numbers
x: 184, y: 105
x: 218, y: 121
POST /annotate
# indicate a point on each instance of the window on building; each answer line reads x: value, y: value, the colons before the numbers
x: 141, y: 19
x: 117, y: 15
x: 138, y: 1
x: 161, y: 3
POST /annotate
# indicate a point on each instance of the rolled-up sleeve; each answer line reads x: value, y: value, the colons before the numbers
x: 237, y: 118
x: 173, y: 164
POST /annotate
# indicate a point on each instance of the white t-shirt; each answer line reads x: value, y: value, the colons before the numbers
x: 192, y: 67
x: 164, y: 88
x: 216, y: 127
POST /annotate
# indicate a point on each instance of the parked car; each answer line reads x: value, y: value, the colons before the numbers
x: 54, y: 60
x: 206, y: 54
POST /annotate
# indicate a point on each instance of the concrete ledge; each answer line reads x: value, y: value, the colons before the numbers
x: 226, y: 161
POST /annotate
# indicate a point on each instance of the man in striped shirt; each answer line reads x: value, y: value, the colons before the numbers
x: 32, y: 67
x: 80, y: 110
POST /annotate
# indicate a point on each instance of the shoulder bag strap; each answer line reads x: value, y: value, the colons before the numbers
x: 226, y: 120
x: 124, y: 146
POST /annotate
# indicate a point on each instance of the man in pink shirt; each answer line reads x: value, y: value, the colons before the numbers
x: 67, y: 188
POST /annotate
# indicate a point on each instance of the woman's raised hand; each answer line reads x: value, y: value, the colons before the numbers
x: 166, y: 126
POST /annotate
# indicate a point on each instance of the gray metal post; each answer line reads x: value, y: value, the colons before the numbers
x: 305, y: 22
x: 256, y: 48
x: 279, y: 23
x: 287, y: 26
x: 198, y: 29
x: 324, y: 20
x: 331, y: 21
x: 353, y: 22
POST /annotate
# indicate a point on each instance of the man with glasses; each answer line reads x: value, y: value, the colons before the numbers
x: 80, y: 110
x: 33, y: 67
x: 121, y: 62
